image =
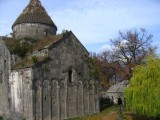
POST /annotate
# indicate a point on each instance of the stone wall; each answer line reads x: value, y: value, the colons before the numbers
x: 35, y: 30
x: 21, y: 92
x: 57, y: 100
x: 64, y: 84
x: 5, y: 68
x: 56, y: 89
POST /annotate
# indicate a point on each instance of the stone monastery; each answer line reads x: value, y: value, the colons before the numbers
x: 44, y: 75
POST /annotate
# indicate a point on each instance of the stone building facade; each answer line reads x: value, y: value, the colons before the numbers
x: 44, y: 75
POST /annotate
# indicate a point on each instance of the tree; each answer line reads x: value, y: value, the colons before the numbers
x: 131, y: 48
x: 143, y: 94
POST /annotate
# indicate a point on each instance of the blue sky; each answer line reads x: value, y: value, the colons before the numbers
x: 94, y: 22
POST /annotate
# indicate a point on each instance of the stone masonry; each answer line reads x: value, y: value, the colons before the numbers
x: 44, y: 76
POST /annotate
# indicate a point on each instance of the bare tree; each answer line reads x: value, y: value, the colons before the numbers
x: 131, y: 48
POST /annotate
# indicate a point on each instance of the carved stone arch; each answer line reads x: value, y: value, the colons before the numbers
x: 91, y: 82
x: 79, y: 84
x: 72, y: 74
x: 54, y: 83
x: 86, y: 85
x: 91, y: 85
x: 61, y: 85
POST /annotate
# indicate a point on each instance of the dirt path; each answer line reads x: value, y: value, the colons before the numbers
x: 110, y: 116
x: 113, y: 116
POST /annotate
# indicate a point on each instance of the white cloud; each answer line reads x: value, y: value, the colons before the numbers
x: 105, y: 48
x: 92, y: 21
x: 95, y: 22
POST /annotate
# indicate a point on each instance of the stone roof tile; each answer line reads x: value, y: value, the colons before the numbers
x: 34, y: 13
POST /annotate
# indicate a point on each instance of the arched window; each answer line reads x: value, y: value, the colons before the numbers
x: 5, y: 62
x: 46, y: 32
x: 70, y: 76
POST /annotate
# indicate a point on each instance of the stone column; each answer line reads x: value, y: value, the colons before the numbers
x: 50, y: 105
x: 86, y: 99
x: 63, y: 97
x: 92, y: 99
x: 45, y: 99
x: 40, y: 90
x: 58, y: 101
x: 80, y: 107
x: 32, y: 104
x: 94, y: 110
x: 97, y: 102
x: 55, y: 101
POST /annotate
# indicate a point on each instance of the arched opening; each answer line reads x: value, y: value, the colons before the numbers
x: 70, y: 75
x: 46, y: 32
x: 45, y: 98
x: 5, y: 62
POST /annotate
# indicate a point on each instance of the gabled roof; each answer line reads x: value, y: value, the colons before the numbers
x: 34, y: 13
x: 43, y: 43
x: 119, y: 87
x: 47, y: 41
x: 36, y: 45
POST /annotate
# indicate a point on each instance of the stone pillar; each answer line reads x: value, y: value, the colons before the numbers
x: 97, y: 102
x: 50, y: 105
x: 86, y: 99
x: 32, y: 104
x: 91, y: 99
x: 72, y: 100
x: 45, y: 100
x: 80, y: 107
x: 94, y: 109
x: 40, y: 89
x: 63, y: 97
x: 55, y: 100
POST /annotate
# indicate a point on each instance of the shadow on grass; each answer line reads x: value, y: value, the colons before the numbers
x: 1, y: 118
x: 141, y: 117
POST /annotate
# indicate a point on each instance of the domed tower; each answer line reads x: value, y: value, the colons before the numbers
x: 33, y: 22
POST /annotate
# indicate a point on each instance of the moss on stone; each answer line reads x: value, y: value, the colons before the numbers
x: 29, y: 62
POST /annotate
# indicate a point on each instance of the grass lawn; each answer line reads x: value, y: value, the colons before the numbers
x: 107, y: 114
x: 110, y: 113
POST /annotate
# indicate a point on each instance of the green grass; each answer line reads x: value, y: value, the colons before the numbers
x: 97, y: 116
x: 1, y: 118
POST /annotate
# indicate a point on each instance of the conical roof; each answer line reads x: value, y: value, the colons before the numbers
x: 34, y: 13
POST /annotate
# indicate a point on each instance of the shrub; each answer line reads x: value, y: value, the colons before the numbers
x: 34, y: 59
